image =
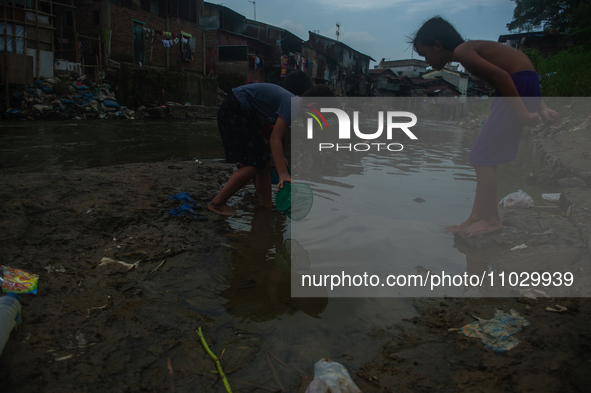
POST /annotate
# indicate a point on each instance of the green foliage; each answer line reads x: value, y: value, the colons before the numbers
x: 566, y: 74
x: 534, y: 56
x: 581, y: 28
x: 547, y: 14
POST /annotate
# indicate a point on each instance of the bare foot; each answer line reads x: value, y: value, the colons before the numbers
x: 482, y: 228
x: 223, y: 209
x: 458, y: 228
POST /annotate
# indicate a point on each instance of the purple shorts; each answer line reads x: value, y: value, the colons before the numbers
x: 498, y: 140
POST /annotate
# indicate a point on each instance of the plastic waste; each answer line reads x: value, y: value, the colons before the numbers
x: 331, y: 377
x: 17, y: 281
x: 496, y: 333
x: 518, y: 198
x: 10, y: 316
x: 553, y: 197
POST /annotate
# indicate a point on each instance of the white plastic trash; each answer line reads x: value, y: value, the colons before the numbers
x: 518, y: 198
x: 554, y: 197
x: 331, y: 377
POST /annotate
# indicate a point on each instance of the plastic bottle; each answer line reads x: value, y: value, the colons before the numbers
x: 10, y: 316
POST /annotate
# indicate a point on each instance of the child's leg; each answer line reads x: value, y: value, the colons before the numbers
x: 262, y: 183
x: 235, y: 183
x: 476, y: 213
x: 485, y: 213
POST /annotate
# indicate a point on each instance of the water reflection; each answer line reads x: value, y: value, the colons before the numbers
x: 260, y: 288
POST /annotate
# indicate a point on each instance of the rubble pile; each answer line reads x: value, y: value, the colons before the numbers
x: 64, y: 97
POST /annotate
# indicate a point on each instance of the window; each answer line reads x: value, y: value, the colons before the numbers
x: 96, y: 17
x: 19, y: 32
x: 232, y: 53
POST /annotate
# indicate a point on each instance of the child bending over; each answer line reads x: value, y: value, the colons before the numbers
x: 253, y: 121
x: 513, y: 75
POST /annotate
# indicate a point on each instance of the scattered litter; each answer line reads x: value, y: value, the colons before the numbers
x: 555, y: 197
x: 67, y: 97
x: 111, y: 266
x: 18, y: 281
x: 557, y: 308
x: 419, y: 200
x: 331, y: 377
x: 187, y: 211
x: 64, y: 358
x: 519, y: 247
x: 496, y: 333
x: 185, y: 198
x: 518, y: 198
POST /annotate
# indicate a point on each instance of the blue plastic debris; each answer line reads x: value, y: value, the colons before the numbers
x: 496, y: 333
x: 111, y: 104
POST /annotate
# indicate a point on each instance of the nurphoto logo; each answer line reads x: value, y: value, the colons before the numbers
x: 392, y: 120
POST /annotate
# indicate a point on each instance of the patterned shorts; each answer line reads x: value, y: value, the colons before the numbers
x: 241, y: 134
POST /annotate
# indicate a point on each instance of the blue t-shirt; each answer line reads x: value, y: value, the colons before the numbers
x: 267, y: 101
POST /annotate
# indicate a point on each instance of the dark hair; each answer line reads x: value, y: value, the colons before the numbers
x: 437, y: 29
x: 297, y: 82
x: 319, y: 91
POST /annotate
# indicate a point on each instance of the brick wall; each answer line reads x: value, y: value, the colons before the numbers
x: 121, y: 23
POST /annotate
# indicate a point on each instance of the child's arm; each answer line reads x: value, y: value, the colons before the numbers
x: 477, y: 65
x: 276, y: 142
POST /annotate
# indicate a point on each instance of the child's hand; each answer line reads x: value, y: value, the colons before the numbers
x: 548, y: 114
x: 532, y: 119
x: 282, y: 180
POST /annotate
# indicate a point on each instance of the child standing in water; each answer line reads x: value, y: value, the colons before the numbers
x: 253, y: 121
x: 513, y: 75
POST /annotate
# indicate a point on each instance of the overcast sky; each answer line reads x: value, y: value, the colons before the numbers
x: 379, y: 28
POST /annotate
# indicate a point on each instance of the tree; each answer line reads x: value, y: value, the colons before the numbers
x: 560, y: 15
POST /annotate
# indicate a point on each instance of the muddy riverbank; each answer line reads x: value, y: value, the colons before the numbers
x: 99, y: 325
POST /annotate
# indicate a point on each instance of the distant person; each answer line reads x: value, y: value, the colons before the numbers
x: 244, y: 120
x: 513, y: 75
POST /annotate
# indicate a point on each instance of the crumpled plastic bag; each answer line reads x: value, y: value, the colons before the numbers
x: 497, y: 333
x: 333, y: 376
x: 518, y: 198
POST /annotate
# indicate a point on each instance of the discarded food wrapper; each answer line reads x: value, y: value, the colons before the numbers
x: 18, y: 281
x: 496, y: 333
x: 331, y: 377
x: 518, y: 198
